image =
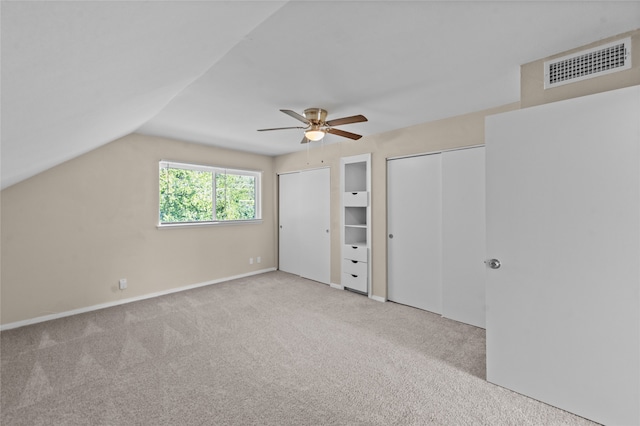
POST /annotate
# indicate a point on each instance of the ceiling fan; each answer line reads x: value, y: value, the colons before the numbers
x: 317, y: 125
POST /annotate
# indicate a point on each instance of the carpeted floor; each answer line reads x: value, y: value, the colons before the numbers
x: 272, y: 349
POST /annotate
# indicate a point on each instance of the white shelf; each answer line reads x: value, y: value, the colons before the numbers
x: 361, y: 244
x: 356, y: 221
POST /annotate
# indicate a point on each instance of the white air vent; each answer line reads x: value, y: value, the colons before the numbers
x: 605, y: 59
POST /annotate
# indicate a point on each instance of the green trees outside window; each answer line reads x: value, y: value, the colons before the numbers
x: 235, y: 197
x: 187, y: 194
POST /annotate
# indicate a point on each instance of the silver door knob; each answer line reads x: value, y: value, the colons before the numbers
x: 493, y: 263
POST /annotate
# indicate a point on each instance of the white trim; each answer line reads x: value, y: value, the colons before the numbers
x: 303, y: 170
x: 377, y: 298
x: 125, y: 301
x: 207, y: 168
x: 175, y: 225
x: 336, y: 286
x: 400, y: 157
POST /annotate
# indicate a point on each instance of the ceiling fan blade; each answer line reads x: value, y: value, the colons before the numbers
x: 305, y: 140
x: 295, y: 115
x: 343, y: 133
x: 281, y: 128
x: 347, y: 120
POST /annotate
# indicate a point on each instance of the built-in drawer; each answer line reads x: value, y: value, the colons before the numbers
x: 355, y: 282
x: 355, y: 199
x: 355, y: 252
x: 354, y: 267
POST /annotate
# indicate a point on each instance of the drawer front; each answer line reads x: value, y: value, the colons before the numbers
x: 358, y: 253
x: 355, y: 199
x: 354, y: 267
x: 355, y: 282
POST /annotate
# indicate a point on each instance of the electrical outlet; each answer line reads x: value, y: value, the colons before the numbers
x: 258, y: 259
x: 122, y: 283
x: 251, y: 261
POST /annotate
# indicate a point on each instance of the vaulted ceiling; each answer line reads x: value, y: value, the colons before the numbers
x: 79, y: 74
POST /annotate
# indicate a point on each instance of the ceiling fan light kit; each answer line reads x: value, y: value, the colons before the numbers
x: 318, y: 126
x: 314, y: 135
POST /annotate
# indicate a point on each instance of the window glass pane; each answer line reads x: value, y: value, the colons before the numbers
x: 185, y: 195
x: 235, y: 197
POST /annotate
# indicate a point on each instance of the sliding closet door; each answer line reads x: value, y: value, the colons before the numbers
x: 315, y: 241
x: 304, y: 216
x: 414, y: 232
x: 463, y: 235
x: 289, y: 206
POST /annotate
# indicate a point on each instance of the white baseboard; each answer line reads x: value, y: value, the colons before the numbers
x: 378, y: 298
x: 336, y: 286
x: 125, y: 301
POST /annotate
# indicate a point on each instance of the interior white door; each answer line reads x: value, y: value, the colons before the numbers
x: 563, y: 213
x: 289, y: 214
x: 314, y: 211
x: 414, y: 221
x: 463, y: 235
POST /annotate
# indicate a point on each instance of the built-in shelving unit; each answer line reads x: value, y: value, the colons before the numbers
x: 356, y: 222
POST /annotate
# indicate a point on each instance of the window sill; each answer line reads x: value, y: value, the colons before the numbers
x: 199, y: 224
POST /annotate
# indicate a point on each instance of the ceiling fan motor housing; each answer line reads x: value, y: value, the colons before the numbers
x: 316, y: 115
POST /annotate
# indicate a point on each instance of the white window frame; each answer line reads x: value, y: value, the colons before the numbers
x: 164, y: 164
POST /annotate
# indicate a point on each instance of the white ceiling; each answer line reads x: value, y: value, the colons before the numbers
x: 79, y: 74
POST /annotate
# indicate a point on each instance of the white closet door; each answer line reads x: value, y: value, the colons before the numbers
x: 414, y: 223
x: 304, y: 215
x: 314, y: 211
x: 563, y: 218
x: 289, y: 206
x: 463, y: 235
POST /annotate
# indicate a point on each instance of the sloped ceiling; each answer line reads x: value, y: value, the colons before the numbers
x: 77, y: 75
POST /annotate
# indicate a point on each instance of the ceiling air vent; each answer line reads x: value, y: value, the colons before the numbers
x: 605, y: 59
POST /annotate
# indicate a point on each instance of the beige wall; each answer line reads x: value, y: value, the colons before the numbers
x: 532, y: 90
x: 455, y: 132
x: 70, y: 233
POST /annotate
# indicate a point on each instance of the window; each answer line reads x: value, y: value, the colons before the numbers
x: 191, y: 194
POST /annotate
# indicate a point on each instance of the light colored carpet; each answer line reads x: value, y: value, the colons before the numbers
x: 273, y: 349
